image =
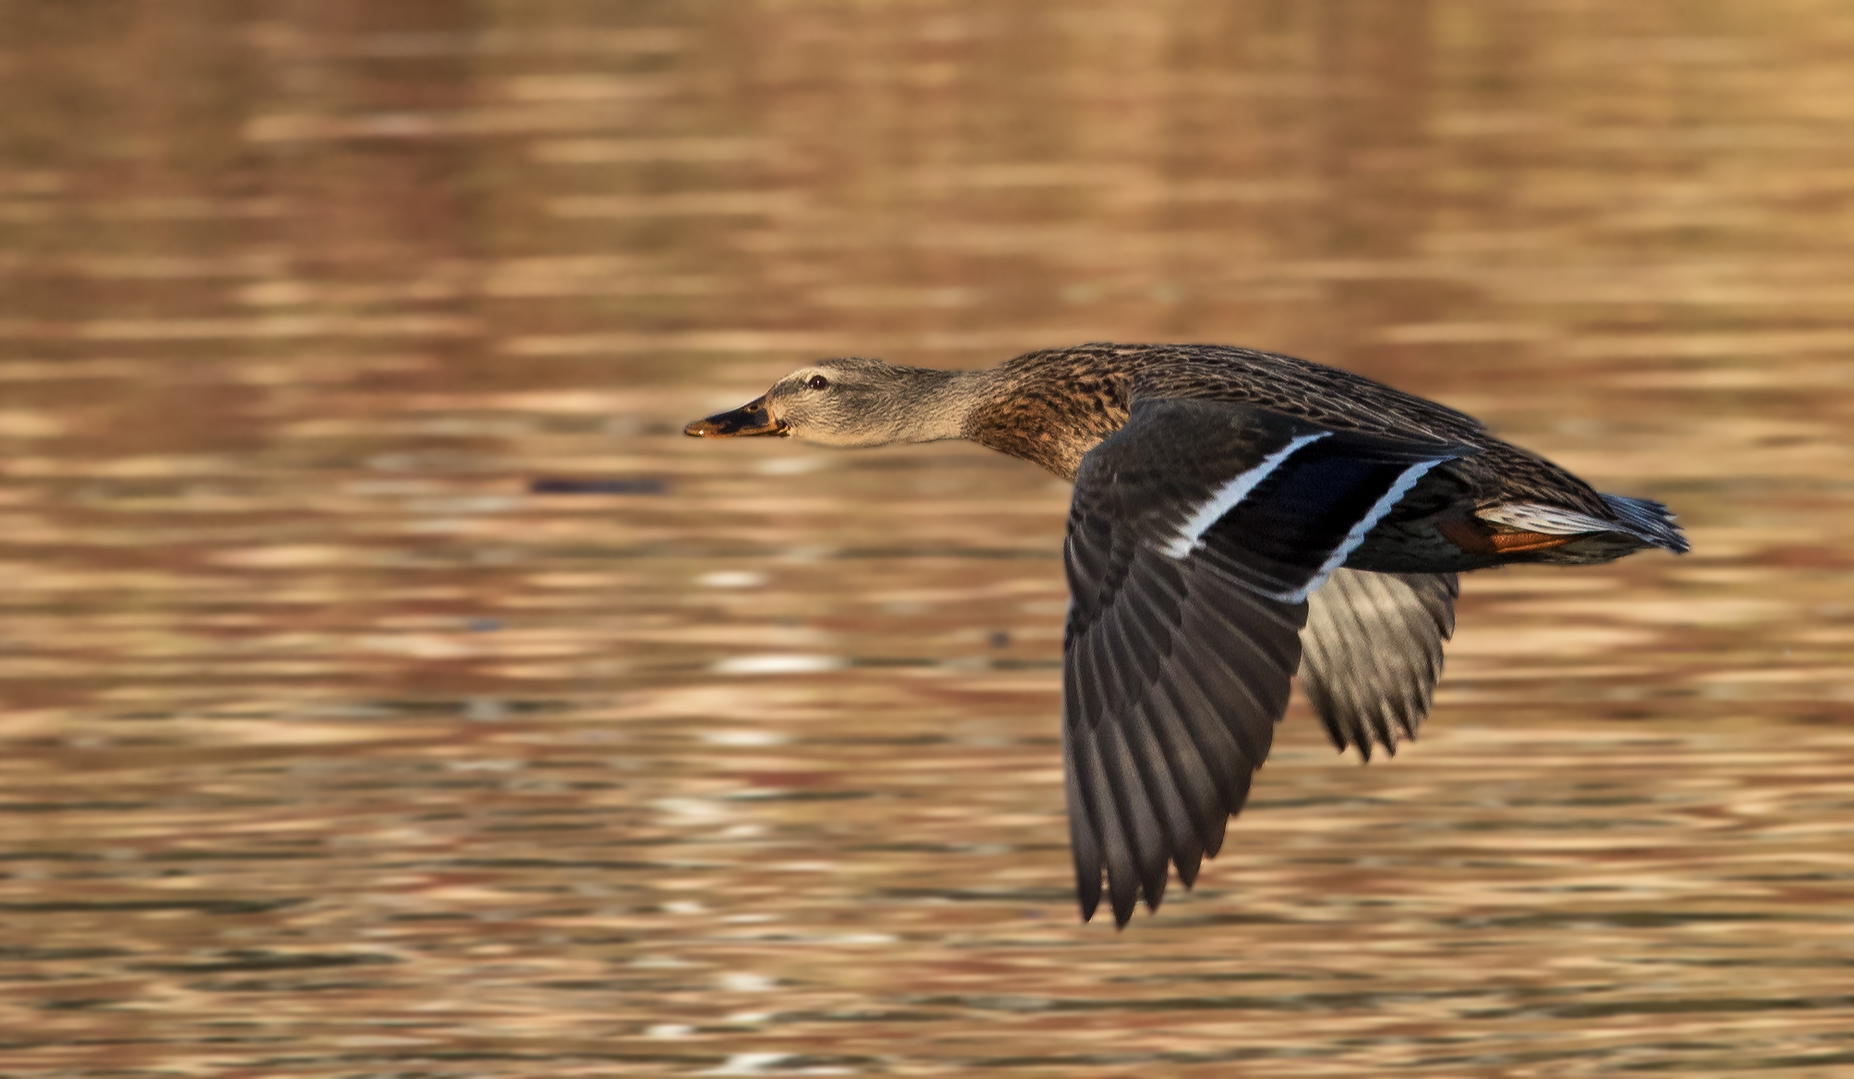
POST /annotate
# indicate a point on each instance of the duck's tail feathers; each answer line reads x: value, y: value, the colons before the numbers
x: 1632, y: 524
x: 1649, y: 520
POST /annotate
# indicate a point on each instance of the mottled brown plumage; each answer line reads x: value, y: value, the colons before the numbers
x: 1052, y: 407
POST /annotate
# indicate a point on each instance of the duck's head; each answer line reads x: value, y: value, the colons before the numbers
x: 845, y: 402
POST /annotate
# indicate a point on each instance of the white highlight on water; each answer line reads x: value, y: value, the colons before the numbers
x: 780, y: 664
x: 731, y: 578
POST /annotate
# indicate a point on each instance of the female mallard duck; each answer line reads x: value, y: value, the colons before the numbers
x: 1237, y: 516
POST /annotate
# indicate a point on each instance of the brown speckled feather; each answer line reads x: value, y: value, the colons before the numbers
x: 1052, y: 407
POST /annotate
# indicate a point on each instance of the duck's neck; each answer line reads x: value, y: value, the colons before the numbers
x: 1048, y: 408
x: 939, y: 405
x: 1051, y: 408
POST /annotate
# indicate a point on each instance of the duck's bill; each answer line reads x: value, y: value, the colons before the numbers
x: 751, y: 418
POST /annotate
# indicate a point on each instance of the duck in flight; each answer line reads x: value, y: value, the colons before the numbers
x: 1238, y: 517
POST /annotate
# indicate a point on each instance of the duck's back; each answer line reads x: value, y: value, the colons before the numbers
x: 1053, y: 406
x: 1294, y: 387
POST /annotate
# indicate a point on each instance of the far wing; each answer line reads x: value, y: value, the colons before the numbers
x: 1372, y: 651
x: 1196, y: 534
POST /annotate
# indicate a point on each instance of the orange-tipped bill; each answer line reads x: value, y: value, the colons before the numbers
x: 751, y: 418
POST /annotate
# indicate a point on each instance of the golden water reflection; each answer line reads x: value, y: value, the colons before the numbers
x: 389, y: 689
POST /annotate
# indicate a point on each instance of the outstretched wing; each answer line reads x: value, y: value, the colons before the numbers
x: 1371, y: 652
x: 1196, y: 534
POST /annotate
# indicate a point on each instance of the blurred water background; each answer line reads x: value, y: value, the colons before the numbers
x: 390, y: 690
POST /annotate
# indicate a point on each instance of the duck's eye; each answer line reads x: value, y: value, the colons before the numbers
x: 818, y: 382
